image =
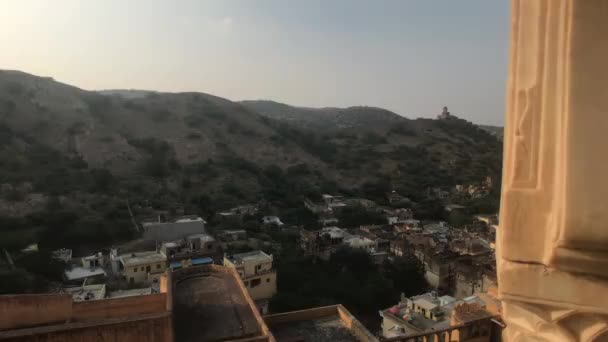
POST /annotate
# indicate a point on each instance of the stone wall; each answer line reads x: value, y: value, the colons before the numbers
x: 20, y: 311
x: 119, y: 307
x: 156, y: 328
x: 56, y: 318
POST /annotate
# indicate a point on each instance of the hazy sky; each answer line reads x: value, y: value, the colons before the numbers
x: 409, y: 56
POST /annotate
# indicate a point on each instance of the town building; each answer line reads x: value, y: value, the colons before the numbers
x: 86, y: 292
x: 169, y: 231
x: 192, y: 250
x: 232, y: 235
x: 139, y: 267
x: 327, y: 323
x: 321, y: 243
x: 272, y: 220
x: 440, y: 314
x: 258, y: 274
x: 89, y: 268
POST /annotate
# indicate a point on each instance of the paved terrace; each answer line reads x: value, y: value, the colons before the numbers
x: 210, y: 304
x: 328, y: 323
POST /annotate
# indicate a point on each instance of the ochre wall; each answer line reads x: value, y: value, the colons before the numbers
x: 19, y: 311
x: 56, y: 318
x: 119, y: 307
x: 301, y: 315
x: 151, y: 330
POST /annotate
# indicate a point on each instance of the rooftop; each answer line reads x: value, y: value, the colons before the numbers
x: 356, y: 241
x: 216, y: 301
x: 468, y: 309
x: 234, y: 231
x: 141, y: 258
x: 202, y: 237
x: 255, y: 256
x: 328, y: 323
x: 82, y: 273
x: 130, y: 293
x: 87, y: 292
x: 334, y: 232
x: 191, y: 218
x: 330, y: 328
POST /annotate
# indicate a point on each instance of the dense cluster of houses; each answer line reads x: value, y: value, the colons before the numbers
x: 458, y: 261
x: 180, y: 243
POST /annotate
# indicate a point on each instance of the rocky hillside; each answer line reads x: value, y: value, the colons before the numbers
x: 59, y: 140
x: 326, y: 119
x: 494, y: 130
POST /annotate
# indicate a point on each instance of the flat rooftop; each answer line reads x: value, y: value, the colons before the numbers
x: 142, y: 258
x: 329, y: 328
x: 87, y: 292
x: 327, y: 323
x: 81, y: 273
x: 255, y: 256
x: 130, y: 293
x: 212, y: 307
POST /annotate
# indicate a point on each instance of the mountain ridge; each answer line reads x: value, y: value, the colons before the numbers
x: 175, y: 145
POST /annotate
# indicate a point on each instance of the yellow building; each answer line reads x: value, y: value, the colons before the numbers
x: 142, y: 267
x: 258, y: 275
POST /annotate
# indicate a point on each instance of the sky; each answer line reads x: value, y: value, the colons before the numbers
x: 409, y: 56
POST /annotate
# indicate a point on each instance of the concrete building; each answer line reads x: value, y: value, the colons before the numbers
x: 322, y: 243
x: 191, y: 248
x: 232, y: 235
x: 86, y: 292
x: 258, y: 275
x: 328, y: 323
x: 441, y: 315
x: 140, y: 267
x: 270, y: 220
x: 169, y: 231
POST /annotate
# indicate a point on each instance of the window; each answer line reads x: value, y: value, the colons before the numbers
x: 268, y: 280
x: 158, y: 266
x: 142, y: 268
x: 246, y: 284
x: 210, y: 246
x: 134, y: 269
x: 148, y: 268
x: 255, y: 282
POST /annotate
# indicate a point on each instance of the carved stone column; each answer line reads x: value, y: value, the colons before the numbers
x: 552, y: 248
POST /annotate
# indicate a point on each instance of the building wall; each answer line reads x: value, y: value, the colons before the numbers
x: 139, y: 274
x: 432, y: 278
x: 266, y: 288
x: 252, y: 268
x: 154, y: 330
x: 467, y: 285
x: 57, y: 318
x: 118, y: 307
x: 172, y: 231
x: 391, y: 325
x: 18, y: 311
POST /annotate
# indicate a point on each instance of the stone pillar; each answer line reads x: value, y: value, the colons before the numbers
x: 552, y: 248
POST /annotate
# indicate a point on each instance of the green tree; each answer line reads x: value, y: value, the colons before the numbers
x: 407, y: 275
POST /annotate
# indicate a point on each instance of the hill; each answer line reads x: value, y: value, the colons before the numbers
x: 494, y: 130
x: 324, y: 118
x: 66, y: 149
